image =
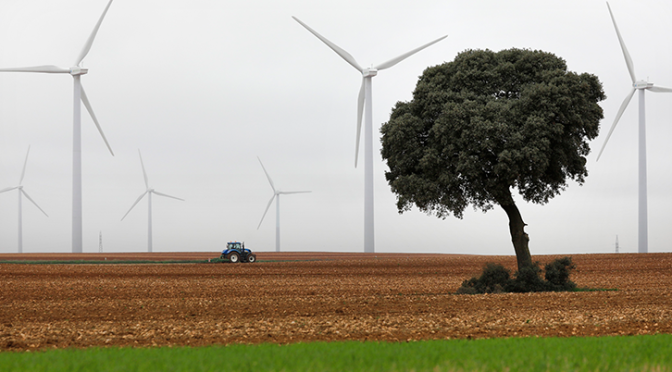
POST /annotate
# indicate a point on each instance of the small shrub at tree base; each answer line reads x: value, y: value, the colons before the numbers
x: 468, y: 287
x: 527, y: 279
x: 497, y: 279
x: 557, y: 274
x: 494, y: 275
x: 494, y: 279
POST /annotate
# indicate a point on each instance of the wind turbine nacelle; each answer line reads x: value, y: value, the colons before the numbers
x: 369, y: 72
x: 642, y: 84
x: 74, y: 71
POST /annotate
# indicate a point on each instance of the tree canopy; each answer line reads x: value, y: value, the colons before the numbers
x: 489, y: 123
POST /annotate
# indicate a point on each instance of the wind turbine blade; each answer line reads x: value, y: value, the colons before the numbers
x: 360, y: 112
x: 266, y: 211
x: 50, y: 69
x: 660, y: 89
x: 23, y: 172
x: 267, y: 176
x: 85, y: 100
x: 628, y: 60
x: 618, y: 117
x: 166, y: 195
x: 345, y: 55
x: 89, y: 42
x: 8, y: 189
x: 293, y: 192
x: 136, y: 202
x: 402, y: 57
x: 144, y: 174
x: 33, y: 201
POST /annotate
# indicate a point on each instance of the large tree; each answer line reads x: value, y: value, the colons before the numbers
x: 487, y: 124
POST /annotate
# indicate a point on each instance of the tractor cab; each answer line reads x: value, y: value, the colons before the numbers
x: 235, y: 245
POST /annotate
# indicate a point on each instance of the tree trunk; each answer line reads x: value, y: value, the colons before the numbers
x: 519, y: 237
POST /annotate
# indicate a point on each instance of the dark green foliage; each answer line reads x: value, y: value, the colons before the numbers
x: 493, y: 280
x: 488, y: 122
x: 557, y: 274
x: 493, y: 276
x: 496, y: 279
x: 528, y: 279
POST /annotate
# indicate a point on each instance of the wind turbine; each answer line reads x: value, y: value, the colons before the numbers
x: 641, y: 86
x: 22, y: 192
x: 149, y: 191
x: 79, y: 96
x: 276, y: 196
x: 365, y: 92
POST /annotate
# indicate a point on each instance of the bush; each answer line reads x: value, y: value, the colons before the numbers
x: 494, y: 279
x: 527, y: 279
x: 497, y: 279
x: 557, y: 274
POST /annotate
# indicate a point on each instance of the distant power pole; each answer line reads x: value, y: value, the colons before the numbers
x: 100, y: 243
x: 616, y: 243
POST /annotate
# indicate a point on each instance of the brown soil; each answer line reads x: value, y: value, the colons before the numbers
x: 332, y: 297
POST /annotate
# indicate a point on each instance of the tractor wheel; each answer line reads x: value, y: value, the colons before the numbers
x: 233, y: 257
x: 252, y: 258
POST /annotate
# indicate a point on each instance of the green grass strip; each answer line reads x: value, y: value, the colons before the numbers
x: 629, y: 353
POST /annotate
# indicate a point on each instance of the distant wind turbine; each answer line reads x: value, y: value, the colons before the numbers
x: 365, y: 93
x: 276, y: 196
x: 641, y: 85
x: 22, y: 192
x: 79, y: 95
x: 149, y: 191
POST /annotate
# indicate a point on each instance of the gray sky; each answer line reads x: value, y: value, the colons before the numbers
x: 204, y: 87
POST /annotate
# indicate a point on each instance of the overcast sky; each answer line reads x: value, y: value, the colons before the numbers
x: 203, y: 87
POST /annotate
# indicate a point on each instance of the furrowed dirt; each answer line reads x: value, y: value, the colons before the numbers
x: 331, y: 297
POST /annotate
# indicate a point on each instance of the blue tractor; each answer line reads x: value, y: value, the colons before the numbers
x: 236, y: 252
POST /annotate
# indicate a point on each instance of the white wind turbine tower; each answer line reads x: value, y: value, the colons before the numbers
x: 276, y: 196
x: 365, y: 98
x: 22, y: 192
x: 79, y: 96
x: 149, y: 191
x: 641, y: 86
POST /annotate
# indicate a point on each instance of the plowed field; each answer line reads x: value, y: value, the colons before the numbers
x: 317, y: 297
